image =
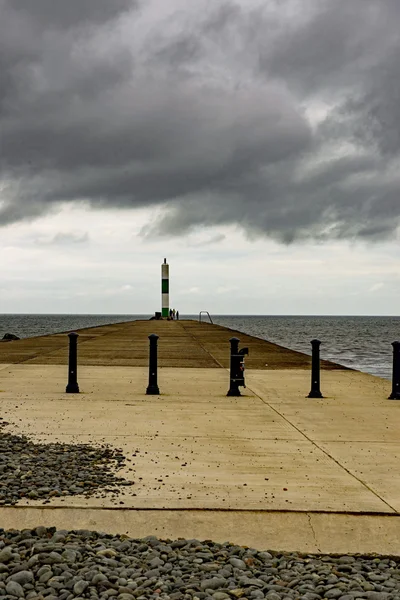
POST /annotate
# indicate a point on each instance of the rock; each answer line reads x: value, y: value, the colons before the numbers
x: 265, y: 555
x: 347, y: 560
x: 44, y: 577
x: 99, y: 578
x: 214, y: 583
x: 107, y: 552
x: 248, y: 581
x: 273, y: 596
x: 237, y: 563
x: 6, y: 555
x: 333, y: 593
x: 152, y: 573
x: 80, y: 587
x: 236, y: 593
x: 22, y: 577
x: 9, y: 337
x: 15, y: 589
x: 156, y: 562
x: 259, y: 594
x: 376, y: 578
x: 69, y: 555
x: 209, y: 567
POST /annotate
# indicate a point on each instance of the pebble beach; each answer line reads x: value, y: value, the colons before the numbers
x: 46, y: 564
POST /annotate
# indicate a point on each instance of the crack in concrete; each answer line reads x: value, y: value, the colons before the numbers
x: 313, y: 532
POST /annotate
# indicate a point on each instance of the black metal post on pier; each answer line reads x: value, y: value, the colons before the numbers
x: 73, y: 387
x: 395, y: 395
x: 315, y: 371
x: 152, y: 388
x: 236, y: 375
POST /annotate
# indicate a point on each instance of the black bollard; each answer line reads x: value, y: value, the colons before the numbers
x: 152, y: 388
x: 395, y: 395
x: 73, y: 387
x: 233, y: 376
x: 315, y: 374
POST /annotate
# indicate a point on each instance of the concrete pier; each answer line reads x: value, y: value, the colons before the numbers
x: 271, y: 469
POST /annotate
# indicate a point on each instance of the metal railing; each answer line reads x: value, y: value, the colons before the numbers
x: 207, y: 313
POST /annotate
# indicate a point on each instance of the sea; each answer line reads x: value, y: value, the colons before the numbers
x: 362, y: 343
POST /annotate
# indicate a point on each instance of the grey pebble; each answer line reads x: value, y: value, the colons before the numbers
x: 208, y: 567
x: 80, y: 586
x: 15, y: 589
x: 22, y: 577
x: 215, y: 583
x: 237, y: 563
x: 333, y: 593
x: 273, y: 596
x: 6, y: 555
x: 45, y: 576
x: 346, y: 560
x: 247, y: 581
x: 256, y: 594
x: 69, y: 555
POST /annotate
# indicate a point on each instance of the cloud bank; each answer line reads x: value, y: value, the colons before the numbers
x: 280, y: 117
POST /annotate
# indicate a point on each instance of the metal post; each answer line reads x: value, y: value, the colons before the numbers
x: 395, y: 395
x: 152, y: 388
x: 73, y: 387
x: 315, y: 373
x: 233, y: 384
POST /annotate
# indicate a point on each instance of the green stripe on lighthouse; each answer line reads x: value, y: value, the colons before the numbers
x: 164, y: 286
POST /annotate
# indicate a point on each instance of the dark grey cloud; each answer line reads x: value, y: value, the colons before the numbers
x: 281, y: 117
x: 63, y: 15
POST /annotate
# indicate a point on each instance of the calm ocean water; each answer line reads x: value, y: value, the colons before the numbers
x: 363, y: 343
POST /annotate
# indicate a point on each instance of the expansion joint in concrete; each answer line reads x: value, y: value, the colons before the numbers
x: 321, y: 449
x: 195, y: 339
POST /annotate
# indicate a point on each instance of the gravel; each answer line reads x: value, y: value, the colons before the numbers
x: 47, y: 564
x: 37, y: 471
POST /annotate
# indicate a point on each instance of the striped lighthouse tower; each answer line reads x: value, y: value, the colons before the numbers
x: 165, y: 289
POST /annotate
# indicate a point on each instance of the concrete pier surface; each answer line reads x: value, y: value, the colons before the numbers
x: 270, y: 469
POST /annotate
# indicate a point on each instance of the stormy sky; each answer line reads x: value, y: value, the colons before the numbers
x: 215, y: 131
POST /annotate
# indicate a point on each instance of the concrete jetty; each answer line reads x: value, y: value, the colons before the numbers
x: 270, y: 469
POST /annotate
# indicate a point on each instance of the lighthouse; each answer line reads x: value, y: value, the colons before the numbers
x: 165, y: 289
